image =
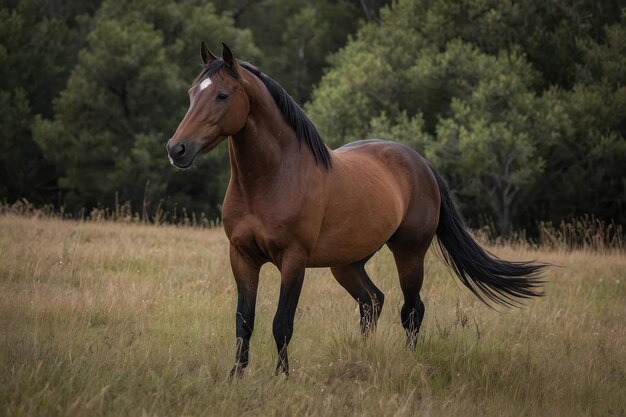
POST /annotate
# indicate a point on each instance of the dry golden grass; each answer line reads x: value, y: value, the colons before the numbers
x: 126, y: 319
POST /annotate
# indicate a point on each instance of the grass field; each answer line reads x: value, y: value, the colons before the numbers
x: 125, y: 319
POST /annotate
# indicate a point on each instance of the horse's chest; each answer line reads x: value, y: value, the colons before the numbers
x: 258, y: 238
x: 269, y: 224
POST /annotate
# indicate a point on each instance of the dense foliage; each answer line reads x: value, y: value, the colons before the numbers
x: 520, y: 105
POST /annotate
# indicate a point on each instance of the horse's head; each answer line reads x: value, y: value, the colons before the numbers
x: 218, y: 108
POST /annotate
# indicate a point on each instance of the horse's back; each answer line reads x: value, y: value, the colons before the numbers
x: 375, y: 188
x: 402, y: 163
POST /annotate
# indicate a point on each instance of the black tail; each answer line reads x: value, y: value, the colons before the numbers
x: 483, y: 273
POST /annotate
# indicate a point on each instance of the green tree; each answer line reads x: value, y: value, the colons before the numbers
x: 587, y: 165
x: 490, y: 145
x: 296, y: 36
x: 476, y: 79
x: 39, y: 43
x: 126, y: 96
x: 374, y: 72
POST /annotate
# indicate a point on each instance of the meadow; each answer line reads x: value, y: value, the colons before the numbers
x: 123, y: 319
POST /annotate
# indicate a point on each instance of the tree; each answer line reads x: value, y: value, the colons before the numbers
x: 296, y: 36
x: 587, y: 164
x: 519, y: 104
x: 368, y: 77
x: 39, y: 43
x: 471, y: 76
x: 126, y: 96
x: 489, y: 147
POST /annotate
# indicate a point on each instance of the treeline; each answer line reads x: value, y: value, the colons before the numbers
x: 520, y: 105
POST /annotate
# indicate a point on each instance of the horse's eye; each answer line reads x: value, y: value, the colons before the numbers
x: 221, y: 96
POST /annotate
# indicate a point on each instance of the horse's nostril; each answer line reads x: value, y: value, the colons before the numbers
x: 181, y: 150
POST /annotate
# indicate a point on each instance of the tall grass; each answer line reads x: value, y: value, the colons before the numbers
x: 586, y: 232
x: 105, y: 318
x: 120, y: 212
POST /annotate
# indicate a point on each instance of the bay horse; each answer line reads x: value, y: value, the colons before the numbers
x: 294, y: 202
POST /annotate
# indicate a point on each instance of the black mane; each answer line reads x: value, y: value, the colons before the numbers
x: 292, y: 112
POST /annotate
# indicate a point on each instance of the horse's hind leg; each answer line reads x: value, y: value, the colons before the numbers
x: 409, y: 256
x: 356, y: 281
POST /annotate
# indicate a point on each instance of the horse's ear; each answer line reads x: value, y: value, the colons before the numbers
x: 229, y: 58
x: 207, y: 56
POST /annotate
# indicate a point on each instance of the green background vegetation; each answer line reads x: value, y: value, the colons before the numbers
x: 520, y: 105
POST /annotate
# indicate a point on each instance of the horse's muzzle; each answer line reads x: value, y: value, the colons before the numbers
x: 181, y: 155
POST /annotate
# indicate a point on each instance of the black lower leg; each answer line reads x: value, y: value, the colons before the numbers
x: 370, y: 311
x: 283, y: 321
x: 244, y: 325
x: 282, y: 336
x: 412, y: 316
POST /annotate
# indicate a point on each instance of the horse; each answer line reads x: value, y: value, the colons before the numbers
x: 295, y: 203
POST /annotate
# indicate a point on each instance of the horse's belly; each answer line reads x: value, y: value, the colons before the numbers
x: 356, y: 231
x: 333, y: 252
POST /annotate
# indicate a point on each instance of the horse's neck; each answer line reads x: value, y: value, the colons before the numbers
x: 266, y: 150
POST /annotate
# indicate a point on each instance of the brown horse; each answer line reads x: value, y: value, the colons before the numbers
x: 294, y: 202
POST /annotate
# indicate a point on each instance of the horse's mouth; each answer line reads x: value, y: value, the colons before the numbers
x: 186, y: 160
x: 179, y: 166
x: 183, y: 158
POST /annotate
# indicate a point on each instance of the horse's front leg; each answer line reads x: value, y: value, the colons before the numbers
x: 247, y: 278
x: 292, y: 277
